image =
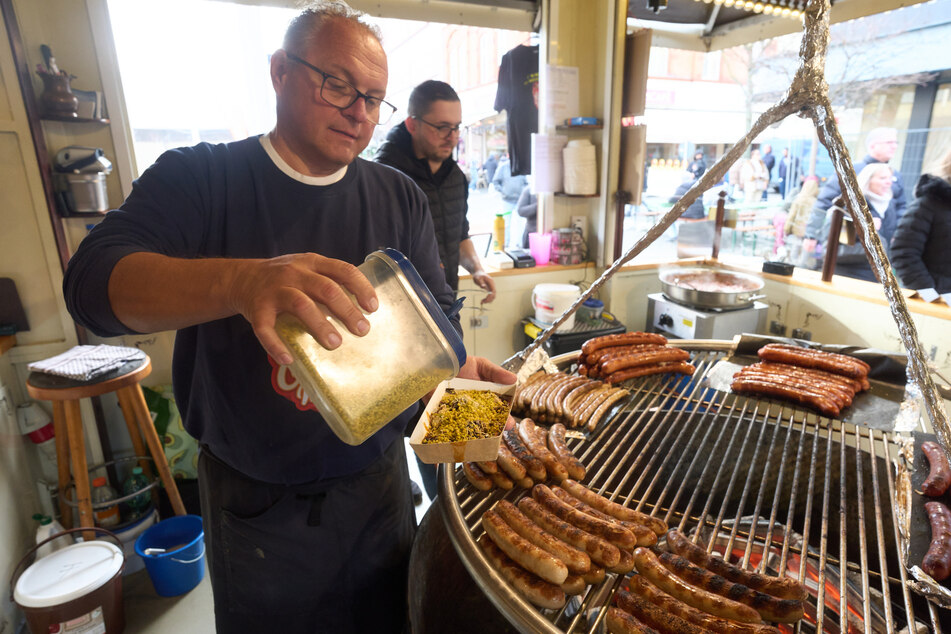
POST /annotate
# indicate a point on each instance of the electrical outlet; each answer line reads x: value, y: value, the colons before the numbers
x: 799, y: 333
x: 777, y: 328
x: 578, y: 223
x: 479, y: 321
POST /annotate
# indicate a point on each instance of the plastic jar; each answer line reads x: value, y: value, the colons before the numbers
x: 368, y: 381
x: 581, y: 168
x: 106, y: 515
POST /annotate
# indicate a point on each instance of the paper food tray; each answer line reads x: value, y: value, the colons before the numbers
x: 481, y: 450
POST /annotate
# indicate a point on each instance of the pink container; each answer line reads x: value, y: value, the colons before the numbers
x: 539, y: 244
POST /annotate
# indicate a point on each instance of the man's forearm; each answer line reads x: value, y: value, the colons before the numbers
x: 151, y: 292
x: 468, y: 257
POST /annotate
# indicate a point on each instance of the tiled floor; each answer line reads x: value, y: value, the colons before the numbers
x: 148, y: 613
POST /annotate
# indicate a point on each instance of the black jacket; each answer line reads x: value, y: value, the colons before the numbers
x: 447, y: 191
x: 919, y: 249
x: 831, y: 190
x: 695, y: 210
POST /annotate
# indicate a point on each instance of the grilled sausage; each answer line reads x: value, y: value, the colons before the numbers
x: 596, y: 357
x: 601, y: 551
x: 769, y: 607
x: 594, y: 576
x: 533, y: 466
x: 648, y: 565
x: 855, y: 385
x: 523, y: 552
x: 575, y: 396
x: 940, y: 475
x: 620, y: 622
x: 614, y: 533
x: 538, y: 398
x: 646, y: 590
x: 476, y: 476
x: 535, y: 590
x: 602, y: 409
x: 509, y: 464
x: 648, y: 613
x: 559, y: 446
x: 643, y: 535
x: 782, y: 587
x: 527, y: 432
x: 502, y: 481
x: 581, y: 404
x: 558, y: 398
x: 576, y: 561
x: 621, y: 339
x: 937, y: 561
x: 526, y: 389
x: 673, y: 367
x: 488, y: 466
x: 625, y: 564
x: 573, y: 584
x: 648, y: 357
x: 529, y: 392
x: 828, y: 361
x: 612, y: 508
x: 780, y: 390
x: 836, y: 393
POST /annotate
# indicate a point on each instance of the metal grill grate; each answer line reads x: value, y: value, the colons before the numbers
x: 777, y: 487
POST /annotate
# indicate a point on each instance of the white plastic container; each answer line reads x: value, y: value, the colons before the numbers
x: 581, y: 168
x: 368, y: 381
x: 551, y: 300
x: 47, y: 528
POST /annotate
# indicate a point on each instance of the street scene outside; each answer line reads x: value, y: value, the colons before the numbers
x: 890, y: 70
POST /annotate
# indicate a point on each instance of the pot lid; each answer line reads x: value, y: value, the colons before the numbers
x: 67, y: 574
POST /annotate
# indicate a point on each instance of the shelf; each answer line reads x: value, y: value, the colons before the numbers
x: 7, y: 342
x: 577, y: 195
x: 587, y: 126
x: 67, y: 119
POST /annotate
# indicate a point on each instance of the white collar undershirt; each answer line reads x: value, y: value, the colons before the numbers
x: 290, y: 171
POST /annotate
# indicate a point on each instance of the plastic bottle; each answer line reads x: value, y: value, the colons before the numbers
x: 47, y: 528
x: 106, y: 516
x: 136, y: 506
x: 498, y: 232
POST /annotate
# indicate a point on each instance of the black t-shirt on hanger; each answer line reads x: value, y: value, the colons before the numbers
x: 518, y: 96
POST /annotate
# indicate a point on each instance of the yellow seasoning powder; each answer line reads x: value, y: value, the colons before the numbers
x: 467, y: 415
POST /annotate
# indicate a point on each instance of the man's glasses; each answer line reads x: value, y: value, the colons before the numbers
x: 342, y: 95
x: 444, y: 131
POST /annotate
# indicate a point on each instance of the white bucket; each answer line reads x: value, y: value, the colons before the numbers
x: 551, y: 300
x: 129, y: 533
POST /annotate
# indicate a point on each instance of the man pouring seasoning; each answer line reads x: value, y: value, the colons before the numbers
x: 304, y: 532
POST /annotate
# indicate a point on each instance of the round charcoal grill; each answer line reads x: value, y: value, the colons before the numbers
x: 753, y: 475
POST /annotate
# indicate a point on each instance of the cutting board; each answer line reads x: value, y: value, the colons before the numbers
x: 12, y: 316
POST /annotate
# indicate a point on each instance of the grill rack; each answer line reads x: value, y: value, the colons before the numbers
x: 702, y: 458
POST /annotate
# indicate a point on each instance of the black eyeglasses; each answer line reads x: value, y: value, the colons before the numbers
x: 443, y: 130
x: 342, y: 95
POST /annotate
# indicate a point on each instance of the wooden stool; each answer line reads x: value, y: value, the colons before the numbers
x: 68, y: 424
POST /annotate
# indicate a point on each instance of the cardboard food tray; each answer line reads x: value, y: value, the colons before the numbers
x: 480, y: 450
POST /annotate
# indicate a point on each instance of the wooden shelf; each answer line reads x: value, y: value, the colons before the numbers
x: 587, y: 126
x: 7, y: 342
x: 577, y: 195
x: 67, y: 119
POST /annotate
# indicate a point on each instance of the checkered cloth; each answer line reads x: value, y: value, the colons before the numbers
x: 84, y: 363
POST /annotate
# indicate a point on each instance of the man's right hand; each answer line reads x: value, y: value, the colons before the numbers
x: 306, y: 285
x: 809, y: 245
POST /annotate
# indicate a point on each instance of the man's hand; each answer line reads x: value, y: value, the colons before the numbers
x: 481, y: 369
x: 307, y: 286
x: 484, y: 281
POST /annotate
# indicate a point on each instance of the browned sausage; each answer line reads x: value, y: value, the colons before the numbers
x: 509, y: 464
x: 614, y: 533
x: 855, y: 385
x: 937, y: 561
x: 594, y: 576
x: 488, y: 466
x: 646, y: 590
x: 559, y: 446
x: 536, y: 591
x: 621, y: 339
x: 523, y: 552
x: 940, y: 475
x: 648, y: 565
x: 576, y: 561
x: 502, y: 481
x: 673, y: 367
x: 575, y: 396
x: 540, y: 399
x: 769, y: 607
x: 573, y: 412
x: 648, y: 613
x: 612, y: 508
x: 828, y: 361
x: 620, y: 622
x: 648, y: 357
x: 780, y: 390
x: 573, y: 584
x: 625, y: 564
x: 643, y: 535
x: 782, y: 587
x: 601, y: 551
x: 476, y: 476
x: 526, y: 389
x: 602, y: 409
x: 557, y: 399
x: 528, y: 434
x: 534, y: 466
x: 841, y: 396
x: 528, y: 392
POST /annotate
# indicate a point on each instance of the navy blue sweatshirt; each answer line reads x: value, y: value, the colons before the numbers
x: 232, y: 201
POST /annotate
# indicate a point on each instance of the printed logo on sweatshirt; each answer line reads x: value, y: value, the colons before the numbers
x: 287, y: 385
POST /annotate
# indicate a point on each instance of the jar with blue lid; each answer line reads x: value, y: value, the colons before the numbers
x: 368, y: 381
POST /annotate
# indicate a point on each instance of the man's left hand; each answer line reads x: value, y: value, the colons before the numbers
x: 481, y: 369
x: 484, y: 281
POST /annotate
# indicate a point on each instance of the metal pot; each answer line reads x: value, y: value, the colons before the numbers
x: 711, y: 288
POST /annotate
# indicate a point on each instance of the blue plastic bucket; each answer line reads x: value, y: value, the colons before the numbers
x: 182, y: 566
